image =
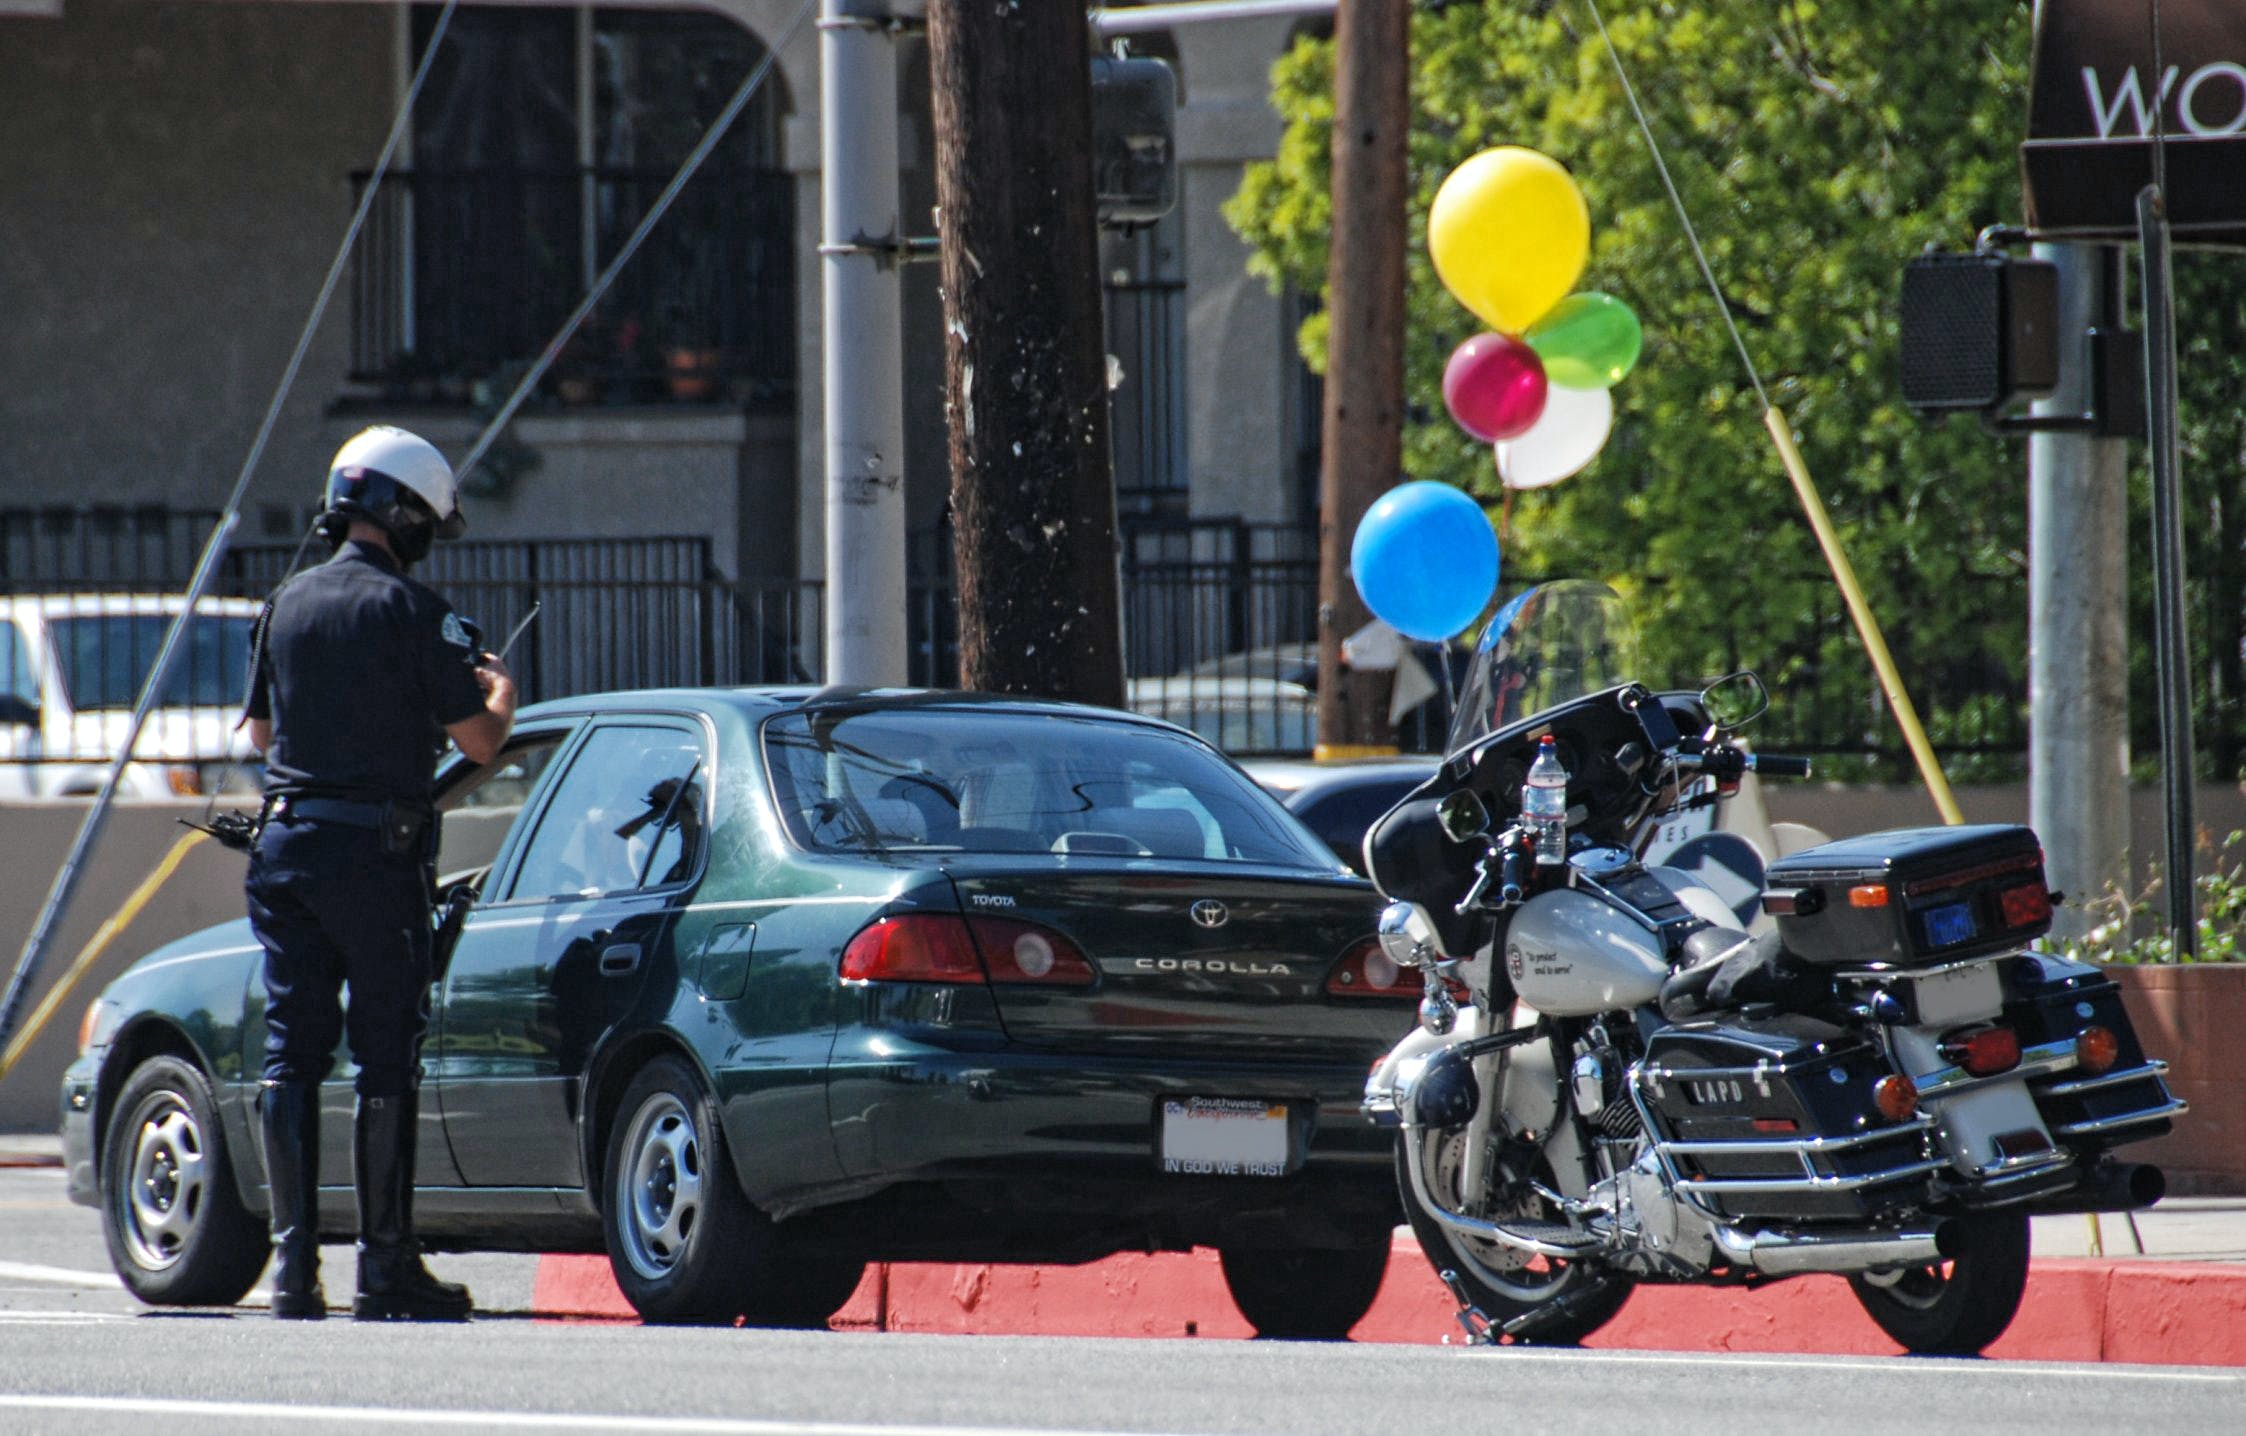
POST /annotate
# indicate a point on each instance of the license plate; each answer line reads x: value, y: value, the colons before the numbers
x: 1224, y: 1137
x: 1949, y: 925
x: 1965, y: 995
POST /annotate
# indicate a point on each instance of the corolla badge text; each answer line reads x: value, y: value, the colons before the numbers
x: 1236, y: 967
x: 1210, y: 913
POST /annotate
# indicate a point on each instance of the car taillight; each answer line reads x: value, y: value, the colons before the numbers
x: 944, y: 947
x: 1015, y: 951
x: 1983, y: 1051
x: 1366, y: 971
x: 918, y: 947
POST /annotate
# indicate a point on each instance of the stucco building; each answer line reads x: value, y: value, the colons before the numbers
x: 176, y: 176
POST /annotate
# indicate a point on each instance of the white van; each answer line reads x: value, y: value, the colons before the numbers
x: 71, y: 669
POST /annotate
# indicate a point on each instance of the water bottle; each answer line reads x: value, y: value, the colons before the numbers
x: 1544, y: 804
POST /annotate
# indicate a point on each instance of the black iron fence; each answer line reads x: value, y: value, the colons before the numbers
x: 1220, y: 622
x: 461, y: 274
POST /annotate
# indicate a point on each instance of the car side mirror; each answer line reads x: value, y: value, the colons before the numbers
x: 16, y: 709
x: 1734, y: 700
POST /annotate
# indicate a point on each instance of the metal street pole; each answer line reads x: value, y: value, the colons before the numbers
x: 2171, y: 644
x: 2078, y: 658
x: 862, y: 342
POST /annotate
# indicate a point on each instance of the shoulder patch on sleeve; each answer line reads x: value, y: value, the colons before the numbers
x: 454, y: 631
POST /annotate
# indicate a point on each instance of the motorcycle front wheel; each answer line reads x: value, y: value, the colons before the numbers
x: 1564, y: 1301
x: 1956, y: 1307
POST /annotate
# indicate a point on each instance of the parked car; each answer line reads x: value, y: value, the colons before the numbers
x: 71, y: 670
x: 760, y: 985
x: 1339, y: 801
x: 1239, y: 715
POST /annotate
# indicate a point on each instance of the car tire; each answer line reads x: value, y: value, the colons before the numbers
x: 1305, y: 1293
x: 804, y: 1289
x: 178, y: 1232
x: 685, y: 1242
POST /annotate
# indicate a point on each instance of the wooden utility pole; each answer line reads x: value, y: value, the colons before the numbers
x: 1364, y: 417
x: 1025, y: 372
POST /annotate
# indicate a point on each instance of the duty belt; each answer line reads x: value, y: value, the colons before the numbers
x: 401, y: 825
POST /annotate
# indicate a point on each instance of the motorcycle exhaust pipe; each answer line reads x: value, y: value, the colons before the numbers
x: 1795, y: 1253
x: 2115, y: 1187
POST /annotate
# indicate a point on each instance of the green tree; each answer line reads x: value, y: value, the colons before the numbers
x: 1818, y: 146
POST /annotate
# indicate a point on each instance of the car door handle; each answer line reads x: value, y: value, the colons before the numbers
x: 619, y: 958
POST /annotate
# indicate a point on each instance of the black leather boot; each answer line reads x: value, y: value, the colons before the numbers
x: 393, y: 1284
x: 289, y: 1113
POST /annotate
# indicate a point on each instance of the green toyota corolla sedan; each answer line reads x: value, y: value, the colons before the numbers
x: 756, y: 986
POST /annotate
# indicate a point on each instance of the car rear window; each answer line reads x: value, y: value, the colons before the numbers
x: 984, y: 781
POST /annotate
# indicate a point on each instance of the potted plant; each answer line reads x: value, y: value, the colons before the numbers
x: 2188, y: 1013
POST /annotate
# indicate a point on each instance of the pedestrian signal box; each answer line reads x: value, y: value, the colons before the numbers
x: 1134, y: 149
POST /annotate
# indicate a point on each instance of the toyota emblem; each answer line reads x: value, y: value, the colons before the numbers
x: 1210, y: 913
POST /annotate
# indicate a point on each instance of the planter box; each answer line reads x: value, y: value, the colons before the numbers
x: 2193, y: 1015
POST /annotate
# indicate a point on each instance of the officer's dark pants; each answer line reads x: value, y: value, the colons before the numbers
x: 334, y: 910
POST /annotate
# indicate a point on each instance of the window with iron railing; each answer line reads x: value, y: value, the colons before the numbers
x: 542, y: 139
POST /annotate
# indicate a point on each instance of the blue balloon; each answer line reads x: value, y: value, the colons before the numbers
x: 1425, y: 560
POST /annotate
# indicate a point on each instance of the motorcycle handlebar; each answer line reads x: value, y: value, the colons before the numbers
x: 1724, y: 762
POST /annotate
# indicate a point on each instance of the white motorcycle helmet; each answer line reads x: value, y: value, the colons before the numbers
x: 399, y: 482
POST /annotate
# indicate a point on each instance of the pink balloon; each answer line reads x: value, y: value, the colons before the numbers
x: 1494, y: 386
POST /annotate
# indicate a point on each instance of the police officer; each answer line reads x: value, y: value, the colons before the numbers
x: 358, y: 677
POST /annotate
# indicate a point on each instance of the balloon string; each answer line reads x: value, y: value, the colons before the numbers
x: 1684, y: 217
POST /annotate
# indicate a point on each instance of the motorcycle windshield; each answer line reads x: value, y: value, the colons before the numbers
x: 1550, y: 645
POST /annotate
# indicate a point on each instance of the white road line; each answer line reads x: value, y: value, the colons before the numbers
x: 1891, y: 1365
x: 59, y: 1318
x: 510, y: 1420
x: 58, y: 1275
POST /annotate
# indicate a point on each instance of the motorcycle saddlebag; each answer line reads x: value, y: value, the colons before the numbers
x: 1774, y: 1117
x: 1911, y: 897
x: 2048, y: 1002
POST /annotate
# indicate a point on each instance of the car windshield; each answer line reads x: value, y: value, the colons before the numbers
x: 106, y: 657
x: 984, y: 781
x: 1549, y: 645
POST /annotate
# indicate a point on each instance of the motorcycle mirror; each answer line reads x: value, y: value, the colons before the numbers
x: 1462, y: 816
x: 1734, y: 700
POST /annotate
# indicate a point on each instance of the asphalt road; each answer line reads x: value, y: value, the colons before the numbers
x: 78, y: 1355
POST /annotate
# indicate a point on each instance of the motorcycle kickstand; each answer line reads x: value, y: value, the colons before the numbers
x: 1479, y: 1332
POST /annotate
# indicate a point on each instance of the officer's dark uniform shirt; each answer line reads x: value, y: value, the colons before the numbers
x: 359, y: 669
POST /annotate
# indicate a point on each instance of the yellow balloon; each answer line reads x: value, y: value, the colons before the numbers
x: 1509, y: 233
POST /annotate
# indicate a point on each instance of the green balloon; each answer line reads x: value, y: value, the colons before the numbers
x: 1587, y: 341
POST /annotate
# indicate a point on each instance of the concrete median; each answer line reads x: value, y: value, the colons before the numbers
x: 2079, y: 1309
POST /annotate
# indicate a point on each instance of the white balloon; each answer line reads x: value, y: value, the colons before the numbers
x: 1566, y: 436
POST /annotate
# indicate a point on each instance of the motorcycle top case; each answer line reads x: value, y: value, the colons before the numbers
x: 1912, y: 897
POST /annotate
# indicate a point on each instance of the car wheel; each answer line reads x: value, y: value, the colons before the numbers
x: 1306, y: 1294
x: 685, y: 1242
x: 178, y: 1232
x: 804, y: 1289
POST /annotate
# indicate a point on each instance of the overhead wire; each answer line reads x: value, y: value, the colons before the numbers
x: 1789, y: 455
x: 66, y: 878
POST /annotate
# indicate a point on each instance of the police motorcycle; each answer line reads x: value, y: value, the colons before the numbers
x: 1614, y: 1081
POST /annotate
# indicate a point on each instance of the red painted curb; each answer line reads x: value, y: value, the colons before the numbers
x: 2148, y: 1312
